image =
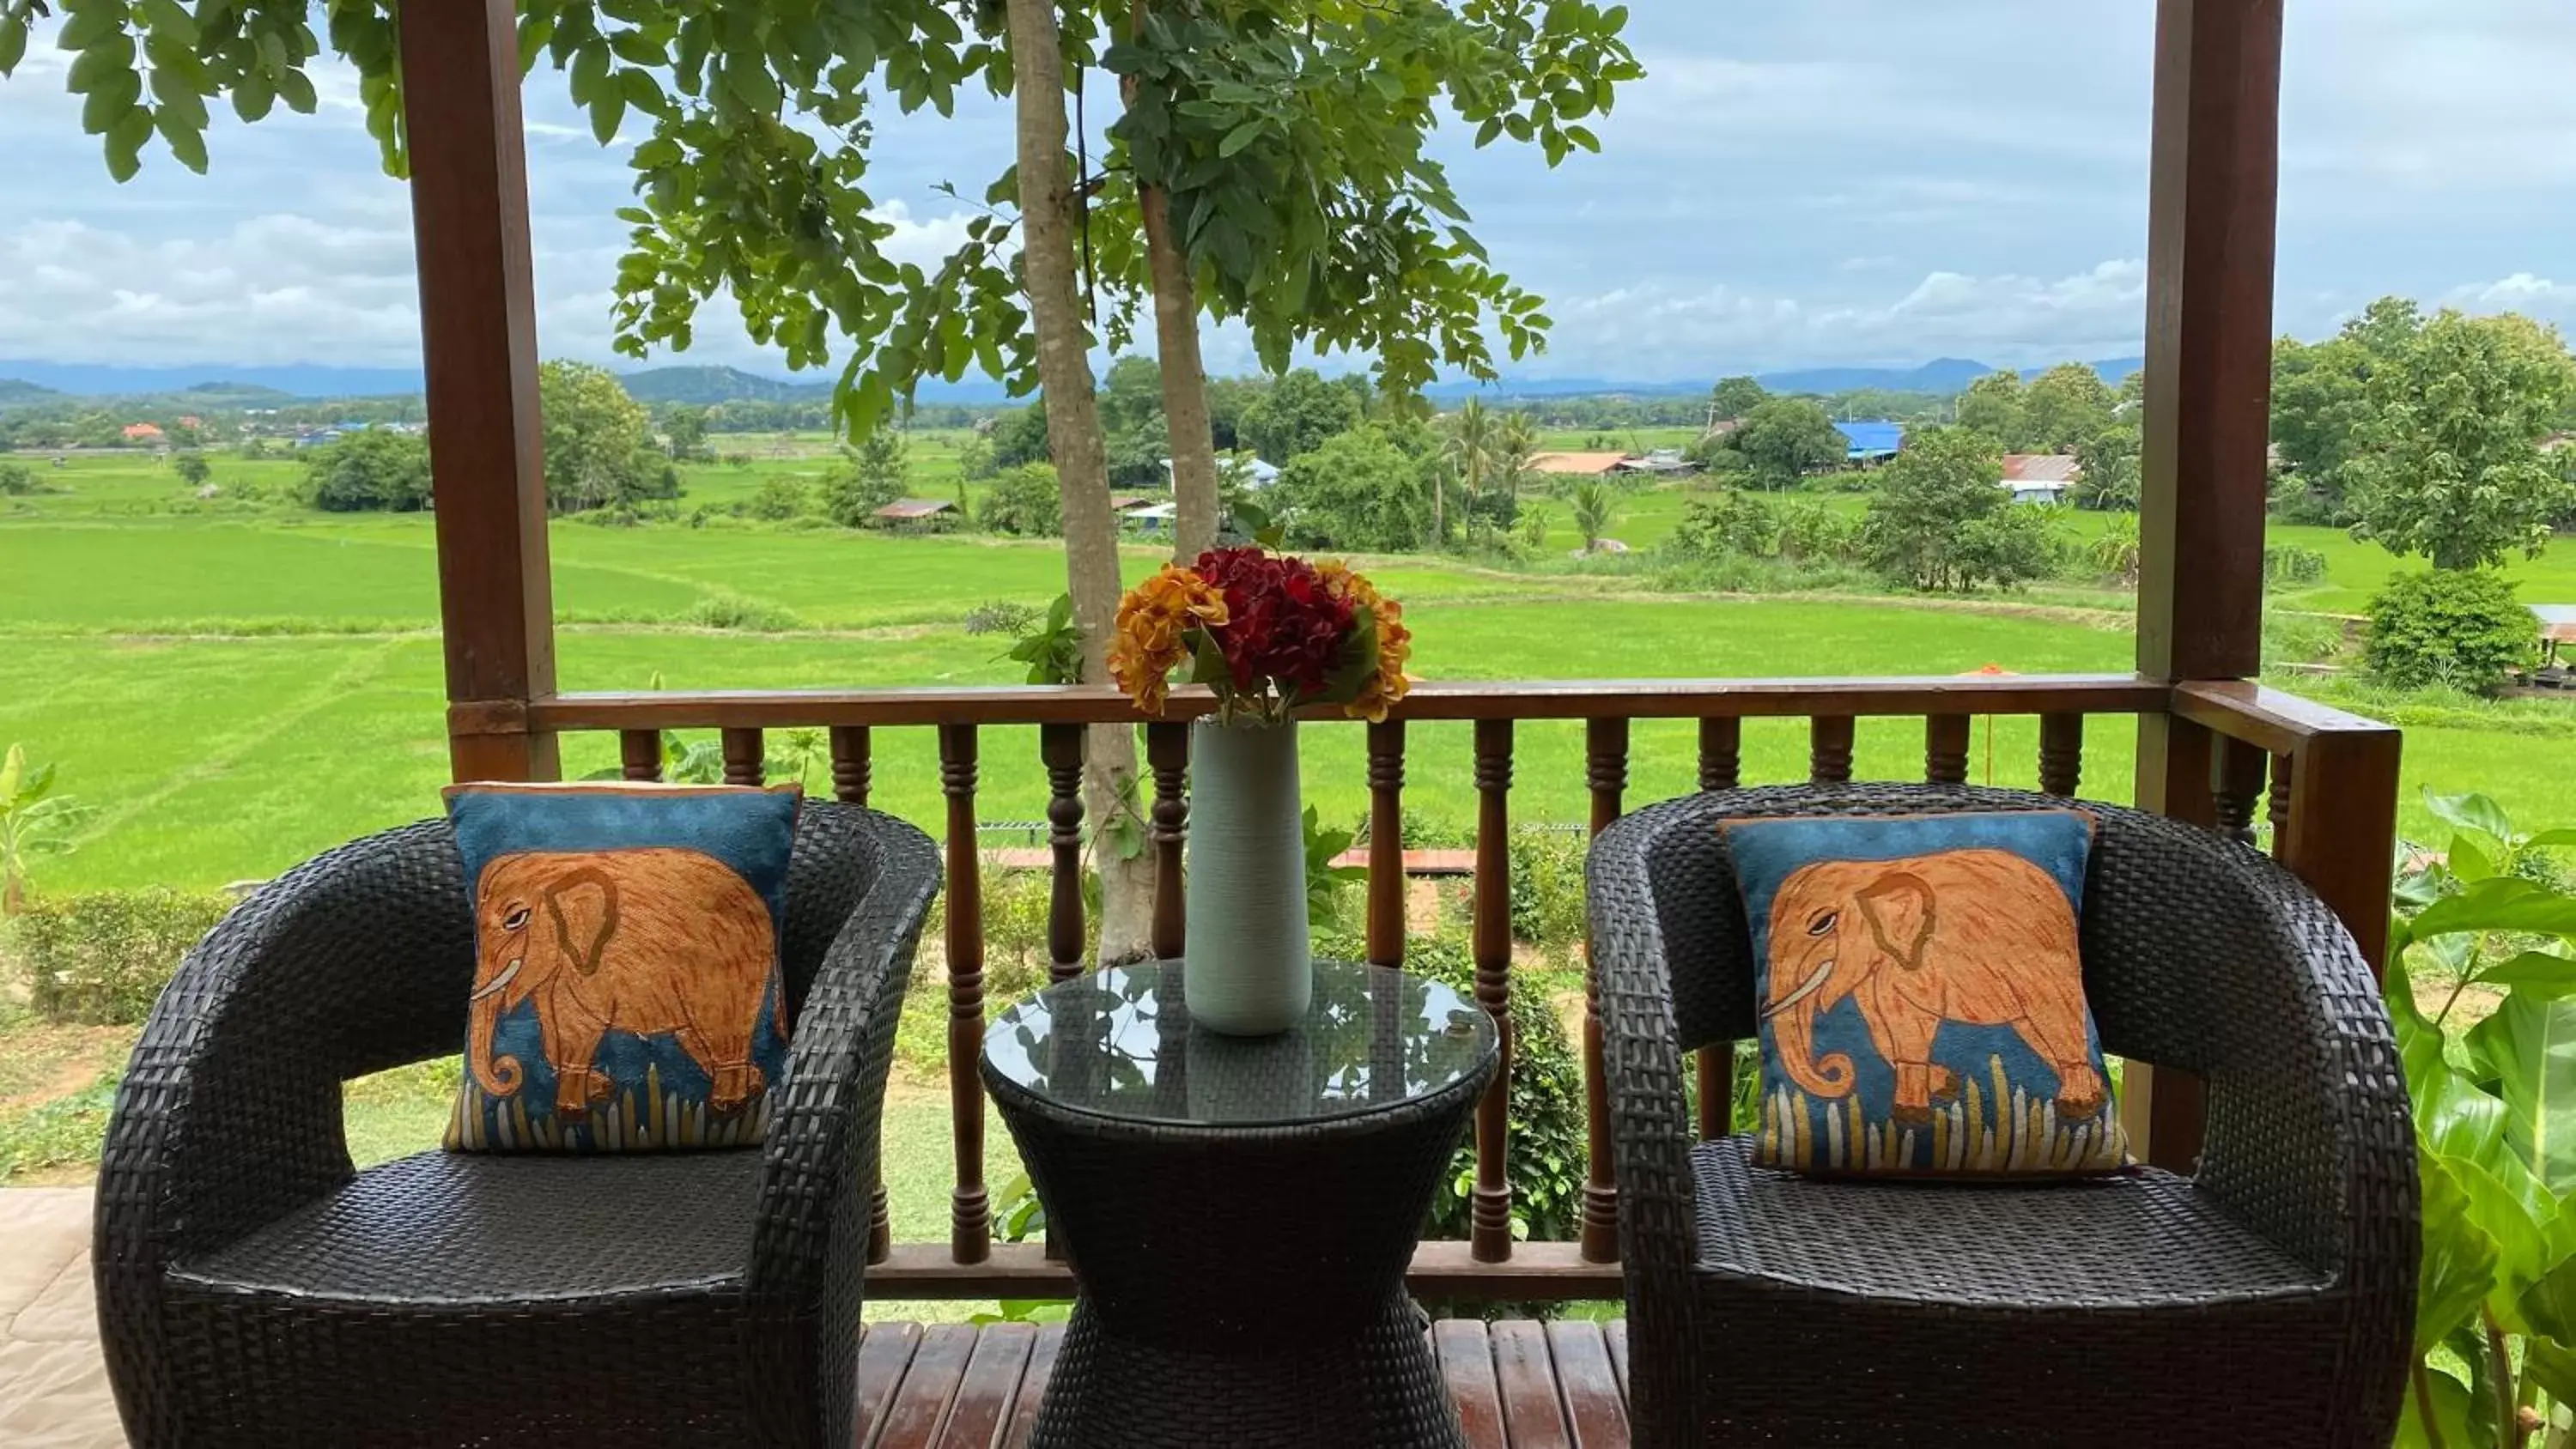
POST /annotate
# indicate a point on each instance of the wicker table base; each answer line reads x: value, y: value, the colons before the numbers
x: 1243, y: 1283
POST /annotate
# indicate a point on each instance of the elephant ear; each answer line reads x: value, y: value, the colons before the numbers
x: 1900, y: 910
x: 584, y: 906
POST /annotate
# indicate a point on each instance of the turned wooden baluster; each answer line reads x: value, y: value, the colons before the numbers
x: 851, y: 770
x: 1386, y: 882
x: 1721, y: 753
x: 2238, y: 788
x: 1830, y: 749
x: 970, y: 1231
x: 1721, y: 767
x: 2061, y: 753
x: 1060, y: 750
x: 743, y: 758
x: 850, y: 787
x: 1606, y: 772
x: 1490, y: 1212
x: 639, y: 754
x: 1167, y: 752
x: 2282, y: 802
x: 1945, y: 748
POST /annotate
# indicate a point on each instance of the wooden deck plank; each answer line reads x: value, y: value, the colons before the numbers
x: 1033, y: 1382
x: 1532, y: 1416
x: 921, y: 1402
x: 1467, y: 1363
x: 991, y: 1384
x: 1586, y: 1384
x: 1614, y: 1335
x: 885, y: 1351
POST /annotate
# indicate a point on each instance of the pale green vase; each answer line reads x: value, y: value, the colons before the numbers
x: 1251, y: 962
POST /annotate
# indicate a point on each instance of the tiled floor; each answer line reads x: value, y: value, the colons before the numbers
x: 53, y: 1390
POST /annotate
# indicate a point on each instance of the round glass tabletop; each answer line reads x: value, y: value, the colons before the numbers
x: 1119, y: 1043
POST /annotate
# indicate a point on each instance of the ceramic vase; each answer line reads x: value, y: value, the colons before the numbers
x: 1251, y: 966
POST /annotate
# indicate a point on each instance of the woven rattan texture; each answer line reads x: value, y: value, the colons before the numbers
x: 1243, y: 1286
x: 1834, y: 1313
x: 245, y: 1296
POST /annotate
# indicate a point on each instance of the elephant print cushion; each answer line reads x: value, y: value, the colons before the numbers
x: 1921, y: 995
x: 626, y: 995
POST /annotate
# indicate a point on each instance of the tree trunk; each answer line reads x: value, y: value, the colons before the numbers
x: 1081, y: 456
x: 1176, y: 331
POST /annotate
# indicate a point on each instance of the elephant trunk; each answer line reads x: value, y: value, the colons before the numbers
x: 1794, y: 1034
x: 498, y: 1076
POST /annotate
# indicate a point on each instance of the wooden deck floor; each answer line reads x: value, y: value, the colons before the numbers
x: 1519, y: 1385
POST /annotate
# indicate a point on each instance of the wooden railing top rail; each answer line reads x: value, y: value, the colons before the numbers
x: 2278, y: 722
x: 1432, y: 700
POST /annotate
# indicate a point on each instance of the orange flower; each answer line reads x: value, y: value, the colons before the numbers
x: 1152, y: 636
x: 1394, y: 641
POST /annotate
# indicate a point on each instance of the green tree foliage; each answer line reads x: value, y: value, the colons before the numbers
x: 1941, y: 520
x: 1733, y: 522
x: 1785, y: 439
x: 1026, y: 502
x: 192, y: 468
x: 599, y: 441
x: 16, y: 480
x: 2458, y: 627
x: 686, y: 426
x: 1131, y: 423
x: 1358, y: 491
x: 1296, y: 415
x: 2108, y: 474
x: 1733, y: 397
x: 2449, y: 465
x: 1020, y: 436
x: 2063, y: 409
x: 2320, y: 402
x: 975, y: 460
x: 870, y: 476
x: 375, y: 469
x: 1993, y: 405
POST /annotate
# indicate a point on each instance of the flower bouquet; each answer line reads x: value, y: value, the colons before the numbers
x: 1269, y: 635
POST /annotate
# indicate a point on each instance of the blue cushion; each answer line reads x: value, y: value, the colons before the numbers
x: 1922, y: 995
x: 626, y: 985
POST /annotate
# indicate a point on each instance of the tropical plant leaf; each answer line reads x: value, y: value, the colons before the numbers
x: 2471, y: 811
x: 2468, y: 859
x: 2459, y: 1264
x: 2503, y: 903
x: 2530, y: 1043
x: 2539, y: 973
x: 2451, y: 1427
x: 13, y: 766
x: 2549, y: 1362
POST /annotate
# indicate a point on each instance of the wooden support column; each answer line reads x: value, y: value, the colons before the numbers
x: 469, y: 203
x: 2342, y: 832
x: 1606, y: 772
x: 2212, y: 215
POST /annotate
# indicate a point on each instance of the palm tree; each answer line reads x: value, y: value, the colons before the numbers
x: 1592, y: 516
x: 1470, y: 449
x: 1516, y: 445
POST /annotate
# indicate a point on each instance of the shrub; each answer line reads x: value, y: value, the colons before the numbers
x: 1734, y: 522
x: 752, y: 616
x: 1547, y: 889
x: 2290, y: 563
x: 1002, y: 617
x: 1025, y: 501
x: 1545, y: 1101
x: 16, y: 480
x: 2459, y: 627
x: 778, y: 500
x: 1814, y: 533
x: 103, y: 956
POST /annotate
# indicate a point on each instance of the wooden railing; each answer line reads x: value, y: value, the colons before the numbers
x: 2331, y: 781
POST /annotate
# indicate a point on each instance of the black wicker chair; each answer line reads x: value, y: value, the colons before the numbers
x: 2269, y: 1300
x: 254, y: 1290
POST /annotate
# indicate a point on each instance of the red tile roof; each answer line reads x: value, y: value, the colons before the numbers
x: 2040, y: 468
x: 911, y: 508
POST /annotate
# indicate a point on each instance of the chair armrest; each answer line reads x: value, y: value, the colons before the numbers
x: 1641, y: 1052
x: 820, y: 1153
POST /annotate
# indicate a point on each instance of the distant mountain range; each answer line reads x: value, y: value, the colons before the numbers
x: 223, y: 385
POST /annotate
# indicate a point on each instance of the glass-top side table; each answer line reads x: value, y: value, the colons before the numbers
x: 1240, y: 1211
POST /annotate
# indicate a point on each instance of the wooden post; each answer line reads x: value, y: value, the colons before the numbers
x: 2212, y: 215
x: 1167, y: 753
x: 1060, y: 750
x: 1386, y: 882
x: 1945, y: 749
x: 1606, y: 772
x: 2343, y: 832
x: 969, y: 1212
x: 1830, y: 748
x: 469, y: 207
x: 1490, y: 1206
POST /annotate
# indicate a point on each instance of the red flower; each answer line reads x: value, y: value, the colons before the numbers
x: 1283, y: 622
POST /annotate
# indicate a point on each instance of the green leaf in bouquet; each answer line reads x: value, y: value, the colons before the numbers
x: 1358, y: 662
x: 2530, y: 1043
x: 1207, y: 662
x: 2459, y: 1264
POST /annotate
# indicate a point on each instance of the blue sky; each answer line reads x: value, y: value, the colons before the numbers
x: 1795, y: 184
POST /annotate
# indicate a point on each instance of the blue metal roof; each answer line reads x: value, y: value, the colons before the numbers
x: 1873, y: 439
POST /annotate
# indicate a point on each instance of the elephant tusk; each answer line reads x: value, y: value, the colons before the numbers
x: 1814, y: 983
x: 508, y: 973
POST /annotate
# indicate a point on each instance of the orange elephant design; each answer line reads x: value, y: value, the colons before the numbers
x: 657, y: 942
x: 1979, y: 936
